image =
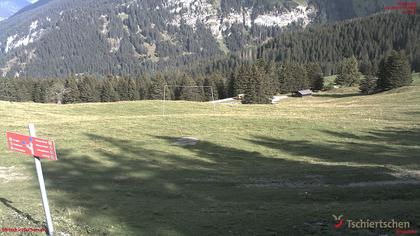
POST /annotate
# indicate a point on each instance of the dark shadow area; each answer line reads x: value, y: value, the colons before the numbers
x: 383, y: 147
x: 391, y: 136
x: 215, y: 190
x: 27, y: 216
x: 337, y: 95
x: 414, y: 113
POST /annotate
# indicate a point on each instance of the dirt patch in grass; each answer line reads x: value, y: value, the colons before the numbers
x: 9, y: 174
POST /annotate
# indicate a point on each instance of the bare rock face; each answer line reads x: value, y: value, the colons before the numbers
x: 186, y: 141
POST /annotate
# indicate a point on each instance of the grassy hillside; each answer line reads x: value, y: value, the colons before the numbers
x: 257, y: 170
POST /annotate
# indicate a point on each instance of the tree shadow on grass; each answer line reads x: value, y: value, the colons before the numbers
x: 410, y: 138
x: 214, y: 190
x: 383, y: 147
x: 414, y: 113
x: 27, y: 216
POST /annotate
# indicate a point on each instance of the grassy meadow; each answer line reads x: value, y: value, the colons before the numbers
x: 257, y: 170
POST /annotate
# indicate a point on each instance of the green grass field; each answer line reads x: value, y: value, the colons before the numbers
x: 257, y: 170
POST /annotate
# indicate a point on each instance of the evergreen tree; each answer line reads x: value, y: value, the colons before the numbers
x: 251, y: 88
x: 72, y: 94
x: 258, y: 89
x: 293, y: 77
x: 203, y: 92
x: 132, y: 91
x: 156, y: 89
x: 43, y: 92
x: 366, y: 67
x: 88, y: 89
x: 208, y: 96
x: 368, y: 85
x: 189, y: 93
x: 143, y: 85
x: 269, y: 76
x: 221, y: 87
x: 108, y: 92
x: 36, y: 92
x: 394, y: 72
x: 230, y: 90
x: 241, y: 80
x: 348, y: 73
x: 122, y: 88
x: 21, y: 90
x: 55, y: 91
x: 315, y: 76
x: 6, y: 90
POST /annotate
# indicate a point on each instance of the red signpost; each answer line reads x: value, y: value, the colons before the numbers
x: 38, y: 148
x: 31, y: 146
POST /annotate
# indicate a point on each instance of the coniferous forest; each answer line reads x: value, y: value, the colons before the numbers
x: 292, y: 61
x: 369, y: 39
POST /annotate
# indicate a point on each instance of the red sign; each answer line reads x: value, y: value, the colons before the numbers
x: 31, y: 145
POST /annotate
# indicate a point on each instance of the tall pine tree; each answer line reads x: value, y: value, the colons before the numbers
x: 108, y: 92
x: 132, y: 91
x: 143, y: 86
x: 39, y: 92
x: 394, y: 72
x: 315, y: 76
x: 348, y: 73
x: 210, y: 84
x: 72, y: 94
x: 259, y: 89
x: 187, y: 92
x: 88, y: 88
x: 157, y: 87
x: 293, y: 77
x: 241, y: 80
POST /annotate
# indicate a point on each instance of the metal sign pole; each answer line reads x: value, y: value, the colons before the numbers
x: 42, y: 186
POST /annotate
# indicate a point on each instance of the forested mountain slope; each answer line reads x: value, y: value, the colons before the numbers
x: 369, y: 39
x: 59, y: 37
